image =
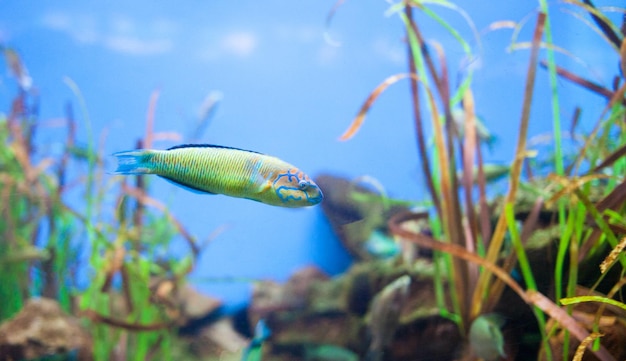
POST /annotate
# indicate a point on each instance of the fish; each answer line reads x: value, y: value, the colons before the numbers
x: 384, y: 316
x: 486, y: 337
x: 215, y: 169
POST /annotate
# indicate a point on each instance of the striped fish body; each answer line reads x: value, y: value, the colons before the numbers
x: 224, y: 170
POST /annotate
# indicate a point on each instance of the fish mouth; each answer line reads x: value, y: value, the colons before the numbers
x: 317, y: 199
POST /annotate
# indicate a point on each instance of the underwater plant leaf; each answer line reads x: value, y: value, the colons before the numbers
x: 554, y: 91
x: 358, y: 120
x: 622, y: 55
x: 458, y: 94
x: 516, y: 168
x: 581, y: 299
x: 141, y: 196
x: 416, y: 56
x: 451, y: 30
x: 329, y: 18
x: 414, y: 35
x: 169, y: 136
x: 580, y: 350
x: 206, y: 113
x: 498, y: 25
x: 509, y: 262
x: 149, y: 135
x: 545, y: 45
x: 99, y: 318
x: 600, y: 221
x: 574, y: 124
x: 590, y: 25
x: 450, y: 207
x: 17, y: 68
x: 605, y: 24
x: 485, y: 218
x: 612, y: 257
x: 570, y: 185
x: 587, y: 84
x: 617, y: 96
x: 470, y: 145
x: 612, y: 158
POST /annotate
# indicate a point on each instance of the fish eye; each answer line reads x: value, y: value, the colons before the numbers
x: 302, y: 185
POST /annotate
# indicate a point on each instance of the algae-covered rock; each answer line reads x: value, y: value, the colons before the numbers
x: 359, y: 217
x: 42, y: 329
x: 336, y: 313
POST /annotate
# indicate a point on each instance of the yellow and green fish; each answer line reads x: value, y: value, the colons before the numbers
x: 215, y: 169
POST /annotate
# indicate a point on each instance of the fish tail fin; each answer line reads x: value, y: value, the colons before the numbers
x: 133, y: 162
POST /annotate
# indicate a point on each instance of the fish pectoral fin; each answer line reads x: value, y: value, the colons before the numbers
x: 186, y: 186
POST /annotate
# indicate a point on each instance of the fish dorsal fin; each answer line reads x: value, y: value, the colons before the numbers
x: 209, y: 146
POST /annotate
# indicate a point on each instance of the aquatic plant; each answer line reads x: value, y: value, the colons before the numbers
x: 586, y: 201
x: 44, y: 231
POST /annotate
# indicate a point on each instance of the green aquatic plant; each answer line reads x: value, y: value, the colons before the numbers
x: 465, y: 231
x: 43, y: 231
x: 36, y: 226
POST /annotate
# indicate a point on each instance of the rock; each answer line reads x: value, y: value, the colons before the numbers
x: 182, y: 302
x: 42, y: 329
x: 218, y: 338
x: 313, y: 311
x: 358, y: 217
x: 269, y: 296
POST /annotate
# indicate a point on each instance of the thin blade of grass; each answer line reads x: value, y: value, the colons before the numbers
x: 597, y: 217
x: 99, y: 318
x: 498, y: 236
x: 622, y: 56
x: 612, y: 158
x: 414, y: 46
x: 450, y: 205
x: 581, y: 299
x: 141, y: 196
x: 470, y: 146
x: 587, y: 84
x: 485, y: 221
x: 357, y: 122
x: 614, y: 199
x: 590, y: 25
x: 149, y: 135
x: 604, y: 23
x: 329, y: 19
x: 612, y: 257
x: 570, y: 185
x: 580, y: 350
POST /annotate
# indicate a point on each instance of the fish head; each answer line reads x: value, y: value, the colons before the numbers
x: 296, y: 189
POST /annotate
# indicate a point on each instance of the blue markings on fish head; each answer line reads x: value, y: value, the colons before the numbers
x: 296, y: 189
